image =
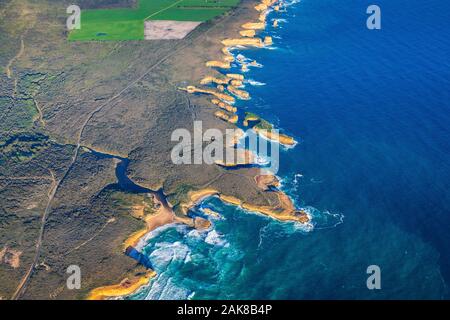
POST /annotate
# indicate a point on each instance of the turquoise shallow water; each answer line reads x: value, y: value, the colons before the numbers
x: 371, y: 112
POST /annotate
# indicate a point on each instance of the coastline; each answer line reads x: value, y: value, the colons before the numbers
x: 126, y: 287
x: 80, y: 177
x: 164, y: 215
x: 285, y: 209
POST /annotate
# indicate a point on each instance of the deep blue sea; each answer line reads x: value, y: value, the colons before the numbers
x: 371, y: 112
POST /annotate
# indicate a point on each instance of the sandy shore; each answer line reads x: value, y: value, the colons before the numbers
x: 164, y: 215
x: 125, y: 287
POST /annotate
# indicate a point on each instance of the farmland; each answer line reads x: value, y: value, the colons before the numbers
x: 128, y: 23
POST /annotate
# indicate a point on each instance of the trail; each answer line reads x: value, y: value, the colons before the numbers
x: 40, y: 114
x: 164, y: 9
x: 112, y: 220
x: 25, y: 178
x: 26, y: 278
x: 17, y: 56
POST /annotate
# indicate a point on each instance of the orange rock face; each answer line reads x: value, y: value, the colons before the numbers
x: 208, y: 80
x: 219, y: 95
x: 201, y: 224
x: 268, y: 41
x: 247, y: 33
x: 252, y: 42
x: 261, y: 7
x: 242, y: 157
x: 125, y: 287
x: 241, y: 94
x: 236, y: 83
x: 235, y: 76
x: 265, y: 182
x: 222, y: 115
x: 218, y: 64
x: 224, y: 105
x: 280, y: 138
x: 254, y: 25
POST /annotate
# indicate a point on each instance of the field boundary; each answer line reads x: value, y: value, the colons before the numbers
x: 162, y: 10
x: 115, y: 25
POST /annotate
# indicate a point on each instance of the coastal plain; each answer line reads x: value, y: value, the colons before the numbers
x: 70, y: 112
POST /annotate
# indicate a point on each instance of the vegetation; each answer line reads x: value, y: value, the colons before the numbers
x: 128, y: 23
x: 257, y: 122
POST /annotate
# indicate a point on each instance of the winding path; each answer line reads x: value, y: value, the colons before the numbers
x: 17, y: 56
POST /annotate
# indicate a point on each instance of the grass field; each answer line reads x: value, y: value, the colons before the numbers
x: 128, y: 23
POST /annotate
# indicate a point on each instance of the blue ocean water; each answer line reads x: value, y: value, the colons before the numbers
x: 371, y: 112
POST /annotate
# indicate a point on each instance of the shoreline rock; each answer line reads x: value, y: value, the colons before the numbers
x: 125, y: 287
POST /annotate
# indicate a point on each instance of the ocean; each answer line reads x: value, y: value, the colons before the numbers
x: 371, y: 112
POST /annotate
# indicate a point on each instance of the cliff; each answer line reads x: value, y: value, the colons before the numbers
x: 229, y: 118
x: 222, y: 96
x: 218, y: 64
x: 126, y: 287
x: 241, y: 94
x: 253, y: 42
x: 247, y: 33
x: 210, y: 79
x: 254, y: 26
x: 224, y: 105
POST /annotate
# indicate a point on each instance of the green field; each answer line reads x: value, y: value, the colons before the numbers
x: 128, y: 23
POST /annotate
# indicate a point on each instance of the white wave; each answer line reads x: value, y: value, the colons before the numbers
x: 313, y: 180
x: 260, y: 160
x: 255, y: 83
x: 283, y: 147
x: 281, y: 181
x: 304, y: 227
x: 165, y: 253
x: 188, y: 258
x: 213, y: 216
x: 191, y: 296
x: 241, y: 58
x: 297, y: 176
x: 256, y: 65
x: 331, y: 220
x: 172, y: 292
x: 214, y: 238
x: 291, y: 2
x: 262, y: 235
x: 153, y: 234
x: 163, y: 288
x: 194, y: 234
